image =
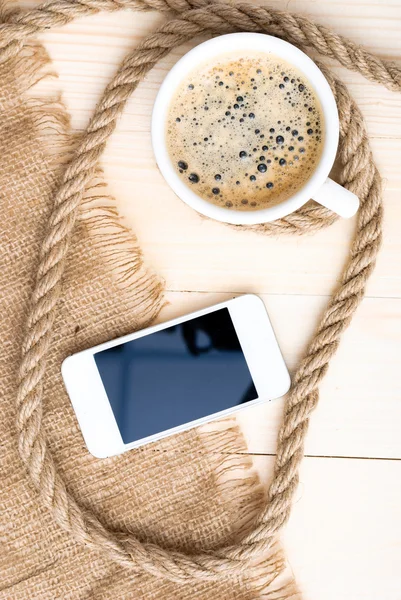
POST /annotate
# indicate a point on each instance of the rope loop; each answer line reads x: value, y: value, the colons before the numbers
x: 358, y: 173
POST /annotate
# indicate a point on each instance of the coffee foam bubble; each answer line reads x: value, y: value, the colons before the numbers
x: 245, y: 132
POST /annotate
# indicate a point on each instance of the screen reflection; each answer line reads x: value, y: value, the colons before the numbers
x: 175, y: 375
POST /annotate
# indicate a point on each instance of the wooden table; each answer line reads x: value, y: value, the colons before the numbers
x: 344, y: 537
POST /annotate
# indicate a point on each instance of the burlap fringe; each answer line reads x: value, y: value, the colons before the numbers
x: 144, y: 293
x: 143, y: 289
x: 119, y: 247
x: 270, y: 578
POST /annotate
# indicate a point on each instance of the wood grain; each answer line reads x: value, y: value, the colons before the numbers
x: 359, y: 413
x: 344, y: 536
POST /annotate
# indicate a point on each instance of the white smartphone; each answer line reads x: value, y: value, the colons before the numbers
x: 174, y: 376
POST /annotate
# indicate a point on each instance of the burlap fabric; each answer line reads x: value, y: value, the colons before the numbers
x: 193, y: 491
x: 176, y: 518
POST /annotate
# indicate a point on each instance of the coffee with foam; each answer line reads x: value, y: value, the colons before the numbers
x: 245, y: 132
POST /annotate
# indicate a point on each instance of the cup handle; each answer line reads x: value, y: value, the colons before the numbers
x: 337, y: 198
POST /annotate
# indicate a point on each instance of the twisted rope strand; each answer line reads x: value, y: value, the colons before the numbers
x: 218, y: 17
x: 358, y: 173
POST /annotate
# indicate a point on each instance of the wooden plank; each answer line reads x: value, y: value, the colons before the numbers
x: 193, y: 253
x: 86, y: 66
x: 306, y: 266
x: 360, y: 410
x: 343, y: 539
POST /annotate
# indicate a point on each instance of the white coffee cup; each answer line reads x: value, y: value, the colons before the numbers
x: 318, y: 186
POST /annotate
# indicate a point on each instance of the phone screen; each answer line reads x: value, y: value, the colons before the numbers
x: 175, y: 375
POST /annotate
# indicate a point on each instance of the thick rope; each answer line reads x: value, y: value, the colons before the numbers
x: 359, y: 174
x: 217, y: 17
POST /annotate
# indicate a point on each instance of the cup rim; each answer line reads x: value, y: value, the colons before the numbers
x: 225, y: 44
